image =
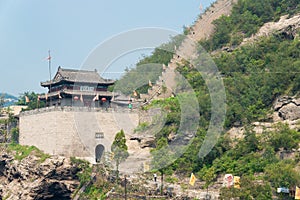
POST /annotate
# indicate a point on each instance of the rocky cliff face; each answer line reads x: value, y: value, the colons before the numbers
x: 285, y: 110
x: 286, y: 27
x: 55, y: 178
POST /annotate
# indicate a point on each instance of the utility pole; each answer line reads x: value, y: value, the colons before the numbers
x: 49, y: 65
x: 125, y: 187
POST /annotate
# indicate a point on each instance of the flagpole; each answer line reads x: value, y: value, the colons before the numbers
x: 49, y: 63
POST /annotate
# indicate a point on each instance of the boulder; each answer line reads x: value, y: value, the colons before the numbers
x: 287, y: 108
x: 289, y: 112
x: 148, y: 142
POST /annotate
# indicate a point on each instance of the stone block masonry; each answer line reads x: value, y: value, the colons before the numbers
x: 74, y: 132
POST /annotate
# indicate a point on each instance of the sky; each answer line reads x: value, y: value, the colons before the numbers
x: 73, y: 29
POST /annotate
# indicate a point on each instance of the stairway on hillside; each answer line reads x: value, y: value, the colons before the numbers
x: 202, y: 29
x: 166, y: 84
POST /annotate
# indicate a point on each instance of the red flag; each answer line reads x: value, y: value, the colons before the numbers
x: 48, y: 57
x: 201, y: 7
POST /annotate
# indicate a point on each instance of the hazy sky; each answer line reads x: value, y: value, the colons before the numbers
x: 71, y: 29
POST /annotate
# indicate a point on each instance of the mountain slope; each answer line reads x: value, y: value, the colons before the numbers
x: 255, y: 74
x: 8, y: 99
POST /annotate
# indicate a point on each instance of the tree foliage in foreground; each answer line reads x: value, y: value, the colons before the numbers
x: 119, y: 148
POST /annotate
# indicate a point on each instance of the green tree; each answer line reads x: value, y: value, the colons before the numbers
x: 10, y: 132
x: 282, y: 174
x: 284, y: 137
x: 33, y: 100
x: 12, y: 126
x: 161, y: 158
x: 1, y: 103
x: 250, y: 189
x: 1, y: 100
x: 209, y: 176
x: 119, y: 149
x: 15, y: 135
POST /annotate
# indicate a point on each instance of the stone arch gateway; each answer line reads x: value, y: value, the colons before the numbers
x: 99, y: 150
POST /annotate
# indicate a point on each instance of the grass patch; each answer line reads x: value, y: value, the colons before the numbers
x: 142, y: 127
x: 170, y: 179
x: 22, y: 152
x: 85, y: 172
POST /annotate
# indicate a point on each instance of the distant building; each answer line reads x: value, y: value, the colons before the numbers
x: 77, y: 88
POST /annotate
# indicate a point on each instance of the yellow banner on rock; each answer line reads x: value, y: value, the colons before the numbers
x: 146, y: 166
x: 192, y: 179
x: 297, y: 193
x: 236, y: 182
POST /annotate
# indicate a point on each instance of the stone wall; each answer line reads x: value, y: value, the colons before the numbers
x: 70, y: 132
x: 202, y: 29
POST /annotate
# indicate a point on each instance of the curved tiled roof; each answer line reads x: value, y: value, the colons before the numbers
x: 74, y: 92
x: 81, y: 76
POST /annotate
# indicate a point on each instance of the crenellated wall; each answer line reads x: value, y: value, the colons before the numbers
x: 202, y: 29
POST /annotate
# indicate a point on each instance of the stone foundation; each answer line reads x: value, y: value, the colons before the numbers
x: 74, y: 132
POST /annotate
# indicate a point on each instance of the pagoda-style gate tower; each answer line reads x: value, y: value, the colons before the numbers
x: 72, y: 128
x: 80, y: 88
